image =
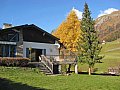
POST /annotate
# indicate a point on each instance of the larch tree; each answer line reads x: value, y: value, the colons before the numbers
x: 69, y: 31
x: 88, y: 44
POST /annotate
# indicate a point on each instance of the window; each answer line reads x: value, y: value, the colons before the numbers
x: 12, y: 51
x: 7, y: 50
x: 27, y: 52
x: 13, y: 37
x: 1, y: 50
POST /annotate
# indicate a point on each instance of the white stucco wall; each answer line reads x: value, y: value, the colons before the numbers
x: 51, y: 49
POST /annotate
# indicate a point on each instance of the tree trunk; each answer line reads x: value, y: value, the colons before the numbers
x: 89, y: 70
x: 69, y: 68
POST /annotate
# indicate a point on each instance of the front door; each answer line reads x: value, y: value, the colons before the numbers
x: 38, y: 53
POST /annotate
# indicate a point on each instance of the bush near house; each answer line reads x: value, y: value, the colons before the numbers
x: 10, y: 61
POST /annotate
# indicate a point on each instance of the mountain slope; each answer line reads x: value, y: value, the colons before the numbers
x: 108, y: 26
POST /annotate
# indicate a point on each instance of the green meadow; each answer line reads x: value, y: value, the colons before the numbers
x: 32, y: 79
x: 19, y: 78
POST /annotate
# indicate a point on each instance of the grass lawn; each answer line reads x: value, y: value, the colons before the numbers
x: 16, y: 78
x: 31, y: 79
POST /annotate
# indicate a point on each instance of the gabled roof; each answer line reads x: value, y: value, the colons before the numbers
x: 27, y: 26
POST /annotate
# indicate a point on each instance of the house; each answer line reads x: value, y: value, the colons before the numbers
x: 31, y: 41
x: 27, y: 41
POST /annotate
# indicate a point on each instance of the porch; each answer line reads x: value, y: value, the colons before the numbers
x: 54, y: 63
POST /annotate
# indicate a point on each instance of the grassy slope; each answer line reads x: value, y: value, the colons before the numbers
x: 111, y: 51
x: 33, y: 78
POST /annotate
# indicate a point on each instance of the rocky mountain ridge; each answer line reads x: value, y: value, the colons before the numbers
x: 108, y: 26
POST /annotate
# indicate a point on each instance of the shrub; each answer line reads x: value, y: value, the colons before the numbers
x: 10, y: 61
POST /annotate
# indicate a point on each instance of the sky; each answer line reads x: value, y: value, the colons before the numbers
x: 49, y: 14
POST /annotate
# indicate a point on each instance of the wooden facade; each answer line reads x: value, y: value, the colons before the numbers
x: 11, y: 39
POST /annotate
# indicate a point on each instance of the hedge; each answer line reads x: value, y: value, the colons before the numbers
x: 10, y: 61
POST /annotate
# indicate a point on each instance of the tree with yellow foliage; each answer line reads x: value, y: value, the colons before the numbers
x: 69, y: 31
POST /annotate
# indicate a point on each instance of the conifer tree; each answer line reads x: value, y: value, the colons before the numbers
x: 88, y: 45
x: 69, y: 31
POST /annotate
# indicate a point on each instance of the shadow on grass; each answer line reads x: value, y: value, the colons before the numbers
x: 103, y: 74
x: 6, y: 84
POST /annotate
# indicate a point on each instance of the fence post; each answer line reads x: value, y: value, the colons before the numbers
x: 76, y: 68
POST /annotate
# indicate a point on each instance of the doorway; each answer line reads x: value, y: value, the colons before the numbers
x: 35, y: 53
x: 38, y: 52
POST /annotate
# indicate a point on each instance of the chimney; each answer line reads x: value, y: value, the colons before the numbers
x: 6, y: 25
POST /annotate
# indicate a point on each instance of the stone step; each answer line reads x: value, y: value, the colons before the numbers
x: 42, y: 67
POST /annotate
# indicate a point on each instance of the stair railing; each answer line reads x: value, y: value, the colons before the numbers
x: 47, y: 63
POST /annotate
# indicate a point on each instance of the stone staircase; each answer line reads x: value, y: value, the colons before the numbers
x: 41, y: 66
